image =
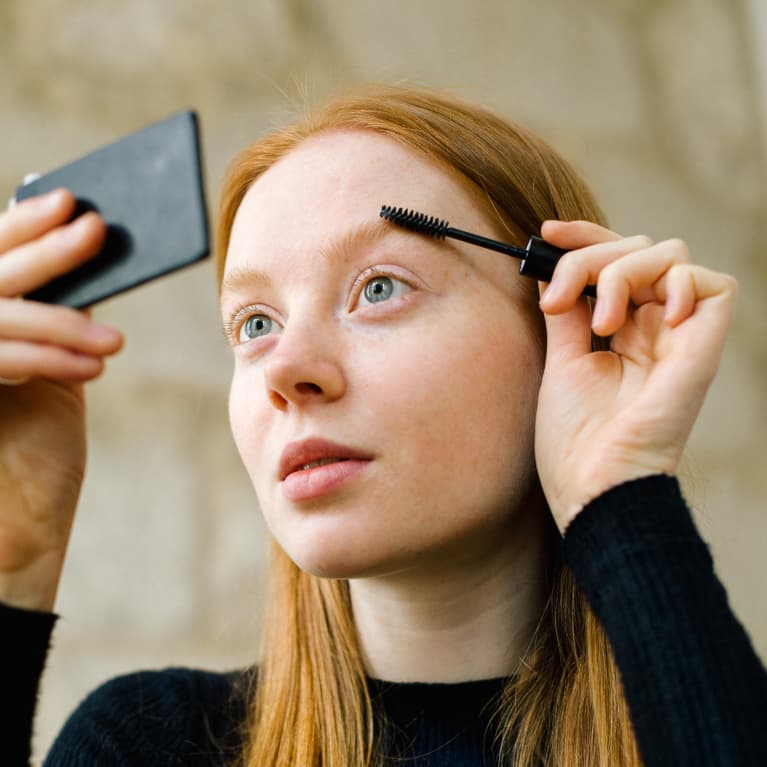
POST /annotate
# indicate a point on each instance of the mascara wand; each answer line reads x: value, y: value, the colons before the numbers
x: 538, y: 257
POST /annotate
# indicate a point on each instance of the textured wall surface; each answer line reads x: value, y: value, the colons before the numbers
x: 662, y: 105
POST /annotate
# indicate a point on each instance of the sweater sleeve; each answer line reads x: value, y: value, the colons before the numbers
x: 24, y: 639
x: 175, y: 717
x: 151, y: 718
x: 695, y: 687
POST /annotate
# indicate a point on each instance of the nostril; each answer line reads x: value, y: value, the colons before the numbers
x: 277, y: 400
x: 304, y: 387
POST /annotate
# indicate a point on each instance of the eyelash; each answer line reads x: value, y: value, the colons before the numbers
x: 233, y: 326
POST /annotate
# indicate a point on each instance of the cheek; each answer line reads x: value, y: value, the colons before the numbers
x: 460, y: 405
x: 247, y: 419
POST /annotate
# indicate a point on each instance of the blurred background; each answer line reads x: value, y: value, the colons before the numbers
x: 662, y: 105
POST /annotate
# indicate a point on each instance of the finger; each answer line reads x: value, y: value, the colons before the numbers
x: 56, y: 325
x: 582, y: 267
x: 24, y: 360
x: 685, y: 286
x: 637, y: 277
x: 568, y: 335
x: 36, y: 263
x: 572, y: 235
x: 712, y: 310
x: 33, y: 217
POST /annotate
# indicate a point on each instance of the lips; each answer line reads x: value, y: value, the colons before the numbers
x: 314, y: 452
x: 315, y: 469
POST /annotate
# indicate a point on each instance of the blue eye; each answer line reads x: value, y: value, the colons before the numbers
x: 382, y: 288
x: 256, y: 326
x: 379, y: 289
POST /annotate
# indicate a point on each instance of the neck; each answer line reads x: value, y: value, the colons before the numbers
x: 456, y: 616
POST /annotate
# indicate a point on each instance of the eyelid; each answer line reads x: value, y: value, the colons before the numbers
x: 376, y: 271
x: 238, y: 317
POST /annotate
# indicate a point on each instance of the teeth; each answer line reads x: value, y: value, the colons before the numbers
x: 321, y: 462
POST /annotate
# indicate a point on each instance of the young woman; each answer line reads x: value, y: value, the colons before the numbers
x: 480, y: 552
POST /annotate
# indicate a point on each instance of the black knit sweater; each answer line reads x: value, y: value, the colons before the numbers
x: 696, y: 690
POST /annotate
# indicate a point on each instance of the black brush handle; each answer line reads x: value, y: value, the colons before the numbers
x: 541, y: 259
x: 538, y: 259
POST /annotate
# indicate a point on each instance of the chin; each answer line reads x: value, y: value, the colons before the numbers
x: 338, y: 543
x: 337, y: 559
x: 325, y: 565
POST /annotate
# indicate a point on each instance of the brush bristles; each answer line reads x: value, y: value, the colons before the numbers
x: 417, y: 222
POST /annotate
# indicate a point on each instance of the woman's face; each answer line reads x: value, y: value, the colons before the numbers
x: 385, y: 383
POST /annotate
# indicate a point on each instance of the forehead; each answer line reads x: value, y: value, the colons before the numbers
x: 335, y: 182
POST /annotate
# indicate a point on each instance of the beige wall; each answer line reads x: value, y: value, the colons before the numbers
x: 661, y: 105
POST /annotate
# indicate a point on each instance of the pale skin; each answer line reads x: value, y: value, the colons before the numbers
x: 445, y: 578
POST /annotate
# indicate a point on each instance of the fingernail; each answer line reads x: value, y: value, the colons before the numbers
x: 599, y: 314
x: 103, y: 333
x: 670, y: 311
x: 49, y: 201
x: 549, y: 294
x: 73, y: 232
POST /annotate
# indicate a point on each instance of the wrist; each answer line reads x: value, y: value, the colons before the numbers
x: 567, y: 506
x: 34, y: 586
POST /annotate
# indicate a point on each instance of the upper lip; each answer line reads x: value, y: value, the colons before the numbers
x: 299, y: 453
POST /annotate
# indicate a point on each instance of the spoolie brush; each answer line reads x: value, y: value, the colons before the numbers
x: 538, y: 257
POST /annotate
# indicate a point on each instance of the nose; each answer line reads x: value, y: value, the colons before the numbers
x: 304, y: 368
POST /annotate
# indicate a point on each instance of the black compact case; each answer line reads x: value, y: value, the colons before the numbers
x: 149, y: 189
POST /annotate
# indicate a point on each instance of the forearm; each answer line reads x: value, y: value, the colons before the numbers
x: 696, y: 689
x: 24, y: 639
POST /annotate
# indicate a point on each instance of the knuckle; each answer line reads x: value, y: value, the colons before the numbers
x: 643, y: 241
x: 56, y: 249
x: 63, y: 319
x: 678, y: 272
x: 567, y: 261
x: 678, y: 248
x: 611, y: 272
x: 569, y: 267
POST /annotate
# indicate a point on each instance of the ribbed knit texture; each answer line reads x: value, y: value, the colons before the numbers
x: 696, y: 689
x: 177, y: 717
x: 439, y: 724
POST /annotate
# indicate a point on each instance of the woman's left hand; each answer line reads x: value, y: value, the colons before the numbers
x: 611, y: 416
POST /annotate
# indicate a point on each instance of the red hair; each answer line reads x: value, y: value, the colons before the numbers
x: 310, y: 704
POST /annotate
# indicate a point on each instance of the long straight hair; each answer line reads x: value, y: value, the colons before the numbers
x: 309, y: 700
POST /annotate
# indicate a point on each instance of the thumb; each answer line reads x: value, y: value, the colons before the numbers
x: 568, y: 335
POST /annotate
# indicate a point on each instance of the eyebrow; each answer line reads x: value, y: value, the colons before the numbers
x: 366, y: 233
x: 239, y: 277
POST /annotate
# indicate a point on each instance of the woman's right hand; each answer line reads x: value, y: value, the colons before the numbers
x: 46, y: 353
